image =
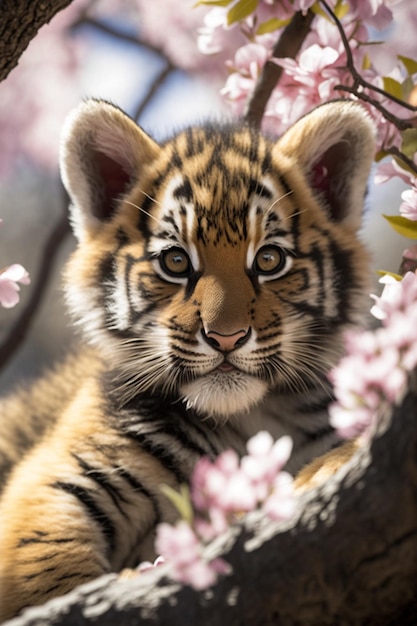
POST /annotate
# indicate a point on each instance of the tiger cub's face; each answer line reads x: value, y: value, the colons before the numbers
x: 221, y: 265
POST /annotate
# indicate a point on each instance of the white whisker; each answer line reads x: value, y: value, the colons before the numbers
x: 269, y: 209
x: 143, y: 210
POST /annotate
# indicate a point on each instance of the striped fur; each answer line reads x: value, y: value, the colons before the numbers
x: 214, y: 277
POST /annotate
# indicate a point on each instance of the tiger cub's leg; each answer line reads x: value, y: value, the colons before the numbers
x: 323, y: 467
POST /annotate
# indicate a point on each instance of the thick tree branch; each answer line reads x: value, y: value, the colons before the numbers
x: 288, y: 45
x: 349, y: 557
x: 20, y: 21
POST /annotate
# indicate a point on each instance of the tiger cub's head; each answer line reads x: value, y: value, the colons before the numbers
x: 221, y: 265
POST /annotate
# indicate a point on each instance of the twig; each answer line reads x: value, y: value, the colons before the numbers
x: 158, y: 81
x: 394, y: 151
x: 21, y: 326
x: 396, y: 121
x: 360, y: 82
x: 288, y: 45
x: 107, y: 29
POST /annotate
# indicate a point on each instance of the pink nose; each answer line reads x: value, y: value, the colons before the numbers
x: 226, y: 343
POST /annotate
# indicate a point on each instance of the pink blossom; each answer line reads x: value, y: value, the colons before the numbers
x: 308, y: 80
x: 374, y: 12
x: 409, y: 260
x: 390, y: 169
x: 147, y: 565
x: 221, y: 491
x: 215, y: 36
x: 265, y: 461
x: 246, y: 67
x: 224, y: 488
x: 183, y: 550
x: 389, y: 297
x: 408, y: 207
x: 9, y: 288
x: 302, y: 5
x: 396, y: 296
x: 374, y: 371
x: 280, y: 504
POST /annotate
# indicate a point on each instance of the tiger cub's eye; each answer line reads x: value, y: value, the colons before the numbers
x: 175, y: 262
x: 269, y: 260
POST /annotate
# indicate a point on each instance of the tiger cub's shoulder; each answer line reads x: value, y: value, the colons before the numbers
x: 33, y: 408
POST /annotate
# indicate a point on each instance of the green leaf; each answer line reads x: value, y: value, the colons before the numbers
x: 393, y: 87
x: 270, y: 25
x: 402, y: 225
x: 384, y: 273
x: 240, y: 10
x: 317, y: 10
x: 213, y: 3
x: 181, y: 500
x: 409, y: 142
x: 409, y: 64
x: 341, y: 9
x: 366, y: 63
x: 403, y: 165
x: 381, y: 154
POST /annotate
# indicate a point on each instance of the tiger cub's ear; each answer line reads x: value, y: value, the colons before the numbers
x: 334, y: 146
x: 102, y: 153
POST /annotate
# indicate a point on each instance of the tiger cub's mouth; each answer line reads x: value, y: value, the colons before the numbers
x: 226, y: 367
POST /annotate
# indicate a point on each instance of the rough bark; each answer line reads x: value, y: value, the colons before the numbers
x: 288, y: 45
x: 348, y: 558
x: 20, y: 21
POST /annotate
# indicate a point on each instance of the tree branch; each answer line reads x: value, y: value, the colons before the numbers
x: 348, y: 558
x: 157, y: 83
x: 20, y: 328
x: 116, y: 33
x: 288, y: 45
x: 20, y: 21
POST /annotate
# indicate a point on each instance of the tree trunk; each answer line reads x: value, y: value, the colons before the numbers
x: 20, y: 21
x: 349, y: 557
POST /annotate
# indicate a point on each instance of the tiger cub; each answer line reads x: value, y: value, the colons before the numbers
x: 213, y: 279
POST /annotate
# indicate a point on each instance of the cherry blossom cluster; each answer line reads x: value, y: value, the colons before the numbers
x: 321, y: 67
x: 221, y: 492
x: 374, y: 372
x: 10, y: 277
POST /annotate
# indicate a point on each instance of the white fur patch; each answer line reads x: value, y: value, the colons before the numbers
x: 222, y: 394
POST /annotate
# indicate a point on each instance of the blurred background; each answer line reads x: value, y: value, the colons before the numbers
x: 143, y: 56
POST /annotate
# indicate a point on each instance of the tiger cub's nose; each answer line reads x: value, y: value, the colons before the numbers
x: 226, y: 342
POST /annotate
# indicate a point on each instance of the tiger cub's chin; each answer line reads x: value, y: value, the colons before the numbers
x: 220, y: 394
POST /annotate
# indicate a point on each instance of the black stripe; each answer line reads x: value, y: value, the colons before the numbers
x: 322, y: 433
x: 283, y: 181
x: 45, y: 557
x: 161, y: 453
x: 183, y: 191
x: 136, y: 485
x: 172, y: 429
x: 191, y: 284
x: 40, y: 573
x: 24, y: 541
x: 81, y: 577
x: 100, y: 478
x: 97, y: 514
